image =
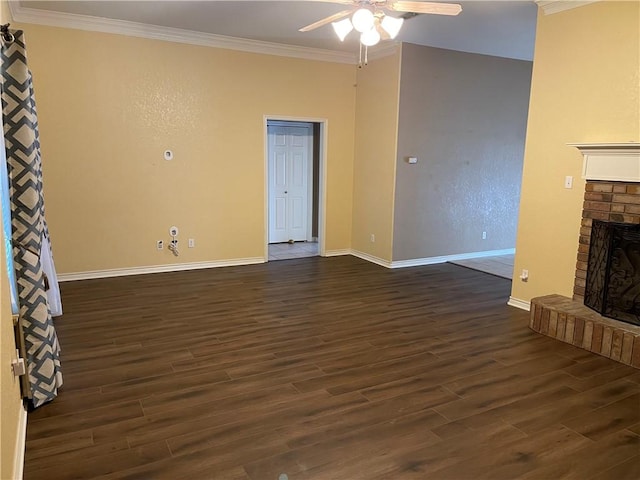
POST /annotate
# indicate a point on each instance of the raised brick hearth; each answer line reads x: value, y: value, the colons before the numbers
x: 612, y: 194
x: 571, y: 322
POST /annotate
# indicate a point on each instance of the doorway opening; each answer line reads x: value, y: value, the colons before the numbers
x: 294, y: 188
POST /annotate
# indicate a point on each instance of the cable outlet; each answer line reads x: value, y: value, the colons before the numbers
x: 159, y: 244
x: 192, y: 243
x: 173, y: 231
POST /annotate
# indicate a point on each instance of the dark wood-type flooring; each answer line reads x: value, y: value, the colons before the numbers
x: 325, y: 368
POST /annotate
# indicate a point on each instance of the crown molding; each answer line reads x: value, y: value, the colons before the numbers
x: 385, y: 49
x: 554, y: 6
x: 36, y: 16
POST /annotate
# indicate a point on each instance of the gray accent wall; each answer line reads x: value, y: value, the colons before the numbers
x: 464, y: 117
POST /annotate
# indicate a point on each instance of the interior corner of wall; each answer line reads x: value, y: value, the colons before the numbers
x: 5, y: 12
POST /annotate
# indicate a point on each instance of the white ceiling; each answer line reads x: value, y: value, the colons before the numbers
x: 500, y: 28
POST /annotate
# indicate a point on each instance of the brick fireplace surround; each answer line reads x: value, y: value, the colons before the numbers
x: 568, y: 320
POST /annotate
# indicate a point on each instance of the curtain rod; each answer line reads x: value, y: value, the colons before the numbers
x: 7, y: 36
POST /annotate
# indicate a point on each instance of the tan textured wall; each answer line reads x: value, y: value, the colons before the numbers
x: 10, y: 401
x: 110, y: 105
x: 375, y: 153
x: 585, y: 88
x: 464, y: 117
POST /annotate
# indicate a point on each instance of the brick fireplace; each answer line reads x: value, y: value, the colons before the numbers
x: 612, y: 194
x: 608, y: 201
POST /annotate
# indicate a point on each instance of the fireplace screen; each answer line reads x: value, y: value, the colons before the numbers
x: 613, y: 271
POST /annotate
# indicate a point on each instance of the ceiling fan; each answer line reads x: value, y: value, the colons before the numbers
x: 369, y: 19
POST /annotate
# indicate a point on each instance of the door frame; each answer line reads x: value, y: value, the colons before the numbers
x: 310, y: 159
x: 322, y: 159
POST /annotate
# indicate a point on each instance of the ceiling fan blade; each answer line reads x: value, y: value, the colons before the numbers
x: 425, y: 7
x: 324, y: 21
x: 341, y: 2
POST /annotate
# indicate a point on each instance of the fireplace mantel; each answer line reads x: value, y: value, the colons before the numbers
x: 615, y: 162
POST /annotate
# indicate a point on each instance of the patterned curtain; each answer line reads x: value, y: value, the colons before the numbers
x: 29, y: 229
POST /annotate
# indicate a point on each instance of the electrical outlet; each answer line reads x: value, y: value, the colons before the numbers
x: 173, y: 231
x: 484, y: 235
x: 192, y: 243
x: 18, y: 366
x: 524, y: 276
x: 159, y: 244
x: 373, y: 238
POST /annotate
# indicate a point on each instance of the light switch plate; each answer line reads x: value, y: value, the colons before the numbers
x: 568, y: 181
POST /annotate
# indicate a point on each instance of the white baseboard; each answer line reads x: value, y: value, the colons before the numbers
x: 177, y: 267
x: 521, y: 304
x: 417, y: 262
x: 21, y: 445
x: 174, y: 267
x: 337, y: 253
x: 371, y: 258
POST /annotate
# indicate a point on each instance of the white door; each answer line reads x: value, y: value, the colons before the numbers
x: 289, y: 152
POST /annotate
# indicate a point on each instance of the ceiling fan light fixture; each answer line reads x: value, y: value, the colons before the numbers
x: 362, y: 20
x: 342, y: 28
x: 392, y: 25
x: 370, y: 38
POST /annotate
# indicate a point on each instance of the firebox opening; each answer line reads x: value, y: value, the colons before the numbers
x: 613, y: 271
